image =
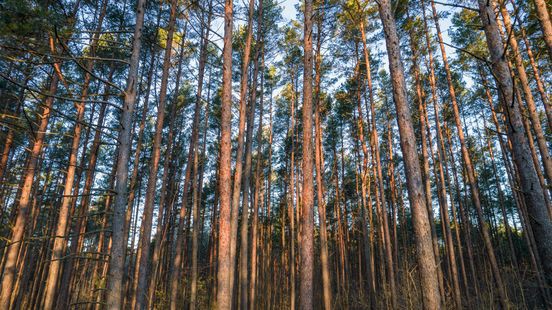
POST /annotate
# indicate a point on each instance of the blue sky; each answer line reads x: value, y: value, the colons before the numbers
x: 289, y: 9
x: 289, y: 13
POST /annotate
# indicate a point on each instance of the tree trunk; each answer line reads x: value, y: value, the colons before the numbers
x: 60, y: 240
x: 319, y: 166
x: 78, y: 238
x: 425, y: 138
x: 147, y: 217
x: 526, y: 88
x: 546, y: 26
x: 140, y: 139
x: 195, y: 186
x: 467, y: 160
x: 532, y: 191
x: 12, y: 251
x: 426, y: 257
x: 117, y: 257
x: 536, y: 70
x: 225, y: 265
x: 306, y: 222
x: 291, y: 192
x: 180, y: 234
x: 379, y: 175
x: 237, y: 186
x: 8, y: 142
x: 243, y: 279
x: 167, y: 167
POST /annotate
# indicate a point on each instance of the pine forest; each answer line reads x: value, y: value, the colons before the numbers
x: 275, y: 154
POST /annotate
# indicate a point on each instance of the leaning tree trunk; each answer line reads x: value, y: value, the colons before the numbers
x: 426, y: 257
x: 529, y: 100
x: 78, y: 237
x: 425, y: 139
x: 64, y: 220
x: 19, y: 225
x: 536, y: 70
x: 12, y: 251
x: 530, y: 185
x: 546, y: 26
x: 8, y: 142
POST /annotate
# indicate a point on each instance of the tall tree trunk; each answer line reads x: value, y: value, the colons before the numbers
x: 269, y: 193
x: 546, y: 26
x: 181, y: 234
x: 225, y: 265
x: 257, y: 195
x: 426, y: 257
x: 12, y: 252
x: 532, y: 191
x: 535, y: 68
x: 292, y: 198
x: 374, y: 141
x: 425, y: 139
x: 167, y: 168
x: 78, y: 237
x: 526, y: 88
x: 134, y: 178
x: 60, y: 240
x: 147, y: 217
x: 195, y: 186
x: 519, y: 203
x: 467, y: 161
x: 365, y: 173
x: 117, y: 257
x: 319, y: 166
x: 306, y: 222
x: 237, y: 186
x: 244, y: 273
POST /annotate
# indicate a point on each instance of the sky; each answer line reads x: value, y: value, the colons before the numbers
x: 289, y: 13
x: 289, y: 9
